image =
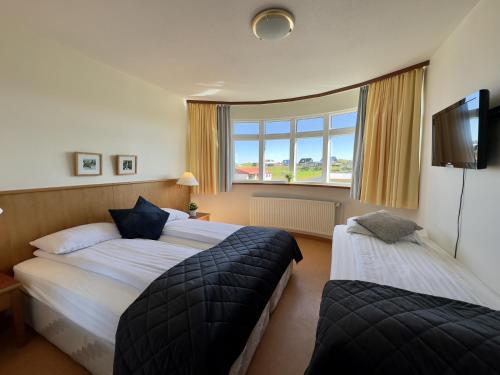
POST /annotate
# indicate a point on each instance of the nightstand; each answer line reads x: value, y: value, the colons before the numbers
x: 11, y: 298
x: 201, y: 216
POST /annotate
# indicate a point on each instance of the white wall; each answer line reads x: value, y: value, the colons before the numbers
x: 233, y: 207
x: 54, y: 101
x: 469, y: 60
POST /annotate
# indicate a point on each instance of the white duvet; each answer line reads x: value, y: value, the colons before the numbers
x: 90, y: 300
x: 93, y: 286
x: 138, y: 262
x: 422, y: 269
x: 134, y: 262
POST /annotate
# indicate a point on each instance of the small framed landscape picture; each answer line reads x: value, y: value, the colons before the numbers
x: 126, y: 164
x: 88, y: 164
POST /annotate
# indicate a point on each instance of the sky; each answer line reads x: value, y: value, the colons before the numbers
x: 279, y: 149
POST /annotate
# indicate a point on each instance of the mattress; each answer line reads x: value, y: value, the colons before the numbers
x: 419, y: 268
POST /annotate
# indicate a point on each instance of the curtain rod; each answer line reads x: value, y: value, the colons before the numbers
x: 318, y: 95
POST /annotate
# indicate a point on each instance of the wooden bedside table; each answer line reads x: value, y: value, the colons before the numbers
x: 201, y: 216
x: 11, y: 298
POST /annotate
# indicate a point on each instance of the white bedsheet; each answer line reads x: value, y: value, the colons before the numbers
x: 423, y: 269
x: 184, y: 242
x: 210, y: 232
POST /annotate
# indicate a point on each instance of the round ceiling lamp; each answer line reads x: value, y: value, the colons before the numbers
x: 273, y: 24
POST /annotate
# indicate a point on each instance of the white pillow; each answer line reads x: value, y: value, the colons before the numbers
x: 354, y: 227
x: 77, y: 238
x: 176, y: 214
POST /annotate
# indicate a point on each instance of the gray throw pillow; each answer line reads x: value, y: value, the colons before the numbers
x: 354, y: 227
x: 388, y: 227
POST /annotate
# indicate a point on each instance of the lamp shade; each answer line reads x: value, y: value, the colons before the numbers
x: 1, y: 211
x: 187, y: 179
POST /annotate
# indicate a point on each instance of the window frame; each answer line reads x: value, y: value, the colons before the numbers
x: 326, y: 134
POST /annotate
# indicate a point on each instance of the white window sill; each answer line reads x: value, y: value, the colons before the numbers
x: 284, y: 183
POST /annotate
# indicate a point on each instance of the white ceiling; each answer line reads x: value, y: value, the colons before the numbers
x: 206, y: 49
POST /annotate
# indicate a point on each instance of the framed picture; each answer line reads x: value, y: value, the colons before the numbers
x: 88, y: 164
x: 126, y: 164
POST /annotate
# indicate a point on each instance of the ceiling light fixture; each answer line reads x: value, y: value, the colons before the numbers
x: 273, y: 24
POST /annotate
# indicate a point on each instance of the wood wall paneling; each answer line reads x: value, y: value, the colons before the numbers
x: 30, y: 214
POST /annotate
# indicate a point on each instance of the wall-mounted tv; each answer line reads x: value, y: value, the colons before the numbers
x: 459, y: 133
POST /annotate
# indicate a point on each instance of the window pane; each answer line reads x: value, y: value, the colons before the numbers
x: 344, y: 120
x: 277, y: 127
x: 310, y: 124
x: 341, y: 151
x: 309, y: 156
x: 277, y: 156
x: 245, y: 128
x: 246, y: 160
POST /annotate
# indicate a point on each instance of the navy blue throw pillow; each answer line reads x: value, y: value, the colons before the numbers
x: 119, y: 217
x: 145, y: 220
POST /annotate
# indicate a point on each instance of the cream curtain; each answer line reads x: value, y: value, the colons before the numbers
x: 203, y: 150
x: 391, y: 164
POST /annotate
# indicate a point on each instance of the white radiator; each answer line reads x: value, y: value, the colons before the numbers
x: 295, y: 215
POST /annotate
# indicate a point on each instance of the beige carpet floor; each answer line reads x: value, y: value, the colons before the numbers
x: 285, y: 348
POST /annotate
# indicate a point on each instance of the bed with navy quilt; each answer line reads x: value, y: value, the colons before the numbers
x: 196, y: 318
x: 368, y: 328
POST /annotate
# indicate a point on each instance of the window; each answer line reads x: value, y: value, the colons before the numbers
x: 343, y: 120
x: 342, y: 127
x: 309, y: 156
x: 315, y: 149
x: 242, y: 128
x: 277, y: 127
x: 246, y: 160
x: 341, y: 151
x: 310, y: 124
x: 276, y: 159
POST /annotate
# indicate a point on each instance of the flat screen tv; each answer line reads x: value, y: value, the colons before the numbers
x: 459, y: 133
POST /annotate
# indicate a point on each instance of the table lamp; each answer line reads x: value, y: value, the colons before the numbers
x: 187, y: 179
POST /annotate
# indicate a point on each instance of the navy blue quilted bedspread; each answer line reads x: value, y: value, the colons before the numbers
x: 367, y: 328
x: 196, y: 318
